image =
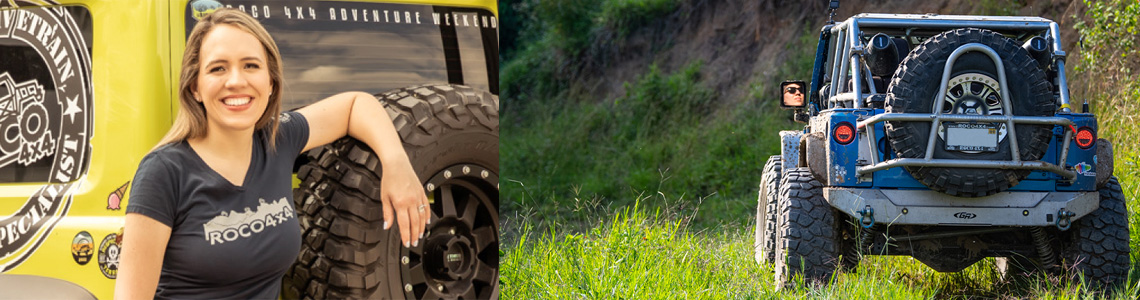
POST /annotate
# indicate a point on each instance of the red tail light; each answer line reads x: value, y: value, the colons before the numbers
x: 844, y: 133
x: 1085, y: 138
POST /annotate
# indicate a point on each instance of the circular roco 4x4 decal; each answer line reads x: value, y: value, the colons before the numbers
x: 45, y: 119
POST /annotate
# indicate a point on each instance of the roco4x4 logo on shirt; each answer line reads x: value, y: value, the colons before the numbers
x: 45, y: 119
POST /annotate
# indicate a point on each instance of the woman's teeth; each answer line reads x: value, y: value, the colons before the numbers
x: 237, y: 101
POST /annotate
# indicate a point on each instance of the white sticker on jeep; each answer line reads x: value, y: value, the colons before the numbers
x: 45, y: 119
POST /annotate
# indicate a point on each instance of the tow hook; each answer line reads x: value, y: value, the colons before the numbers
x: 1064, y: 216
x: 867, y: 217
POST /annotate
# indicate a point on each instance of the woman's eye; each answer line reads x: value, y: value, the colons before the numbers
x: 252, y: 66
x: 217, y: 69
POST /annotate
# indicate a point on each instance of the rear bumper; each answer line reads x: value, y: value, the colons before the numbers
x: 926, y: 207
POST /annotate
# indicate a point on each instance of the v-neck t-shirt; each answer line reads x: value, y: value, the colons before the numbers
x: 226, y: 241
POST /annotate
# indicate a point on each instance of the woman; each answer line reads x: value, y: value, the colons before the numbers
x: 210, y: 213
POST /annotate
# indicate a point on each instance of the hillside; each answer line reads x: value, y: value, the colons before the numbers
x: 746, y: 41
x: 606, y: 101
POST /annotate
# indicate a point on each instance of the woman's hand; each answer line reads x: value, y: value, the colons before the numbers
x: 404, y: 199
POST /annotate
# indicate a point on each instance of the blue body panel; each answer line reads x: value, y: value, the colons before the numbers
x: 843, y: 158
x: 1082, y: 160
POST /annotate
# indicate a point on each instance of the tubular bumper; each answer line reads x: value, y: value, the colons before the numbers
x: 925, y: 207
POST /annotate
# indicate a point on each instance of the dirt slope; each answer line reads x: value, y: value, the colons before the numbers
x: 744, y: 41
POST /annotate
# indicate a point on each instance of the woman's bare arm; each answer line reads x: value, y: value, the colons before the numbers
x: 140, y: 262
x: 359, y: 115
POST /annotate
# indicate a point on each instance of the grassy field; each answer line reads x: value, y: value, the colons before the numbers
x: 642, y: 254
x: 641, y: 198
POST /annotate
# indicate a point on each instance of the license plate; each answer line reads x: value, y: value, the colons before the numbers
x: 971, y: 137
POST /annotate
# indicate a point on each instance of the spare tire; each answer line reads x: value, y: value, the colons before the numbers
x: 451, y: 135
x: 973, y: 89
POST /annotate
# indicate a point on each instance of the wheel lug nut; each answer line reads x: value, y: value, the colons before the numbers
x: 404, y: 260
x: 451, y: 231
x: 407, y: 287
x: 466, y: 169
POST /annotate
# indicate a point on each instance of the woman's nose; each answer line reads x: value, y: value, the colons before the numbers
x: 235, y: 79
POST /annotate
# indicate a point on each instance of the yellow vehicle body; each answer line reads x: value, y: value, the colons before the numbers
x: 136, y: 51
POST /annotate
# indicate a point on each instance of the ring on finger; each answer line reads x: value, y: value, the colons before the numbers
x: 421, y: 207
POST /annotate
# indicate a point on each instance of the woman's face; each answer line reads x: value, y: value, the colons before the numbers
x: 233, y: 79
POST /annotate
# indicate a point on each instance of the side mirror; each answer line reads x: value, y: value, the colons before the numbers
x: 793, y: 94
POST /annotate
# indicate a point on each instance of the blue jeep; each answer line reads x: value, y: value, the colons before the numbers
x: 945, y: 138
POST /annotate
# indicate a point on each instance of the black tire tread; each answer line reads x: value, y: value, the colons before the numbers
x: 1099, y: 247
x: 807, y: 241
x: 765, y: 241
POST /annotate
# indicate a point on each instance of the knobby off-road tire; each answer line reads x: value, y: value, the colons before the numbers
x: 1098, y: 242
x: 450, y: 133
x: 915, y: 85
x: 765, y: 239
x: 806, y: 236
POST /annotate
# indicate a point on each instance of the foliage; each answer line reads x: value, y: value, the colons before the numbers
x: 623, y: 16
x: 637, y: 253
x: 1108, y: 62
x: 997, y: 8
x: 545, y: 49
x: 662, y: 135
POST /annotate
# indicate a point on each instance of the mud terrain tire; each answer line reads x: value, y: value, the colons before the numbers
x: 914, y: 88
x: 1098, y: 242
x: 806, y: 236
x: 765, y: 239
x: 450, y: 133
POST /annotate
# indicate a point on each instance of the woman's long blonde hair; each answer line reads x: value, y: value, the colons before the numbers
x: 191, y: 120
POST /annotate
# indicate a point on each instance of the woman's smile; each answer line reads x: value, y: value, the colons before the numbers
x: 237, y: 102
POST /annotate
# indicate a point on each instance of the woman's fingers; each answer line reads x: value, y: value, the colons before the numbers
x: 427, y: 210
x: 405, y: 230
x: 388, y: 218
x: 415, y: 221
x: 412, y: 214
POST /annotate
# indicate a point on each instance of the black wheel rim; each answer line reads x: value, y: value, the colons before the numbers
x: 458, y: 256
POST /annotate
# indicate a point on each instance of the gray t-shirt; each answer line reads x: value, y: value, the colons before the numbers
x: 226, y: 241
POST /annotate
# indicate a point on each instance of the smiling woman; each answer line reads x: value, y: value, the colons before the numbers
x: 210, y: 212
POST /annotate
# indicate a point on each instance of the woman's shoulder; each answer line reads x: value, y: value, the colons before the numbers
x: 169, y: 155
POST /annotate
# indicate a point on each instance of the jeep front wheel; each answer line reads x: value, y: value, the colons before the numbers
x: 765, y: 241
x: 806, y: 234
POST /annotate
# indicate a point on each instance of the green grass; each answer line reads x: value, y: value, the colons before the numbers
x: 638, y: 253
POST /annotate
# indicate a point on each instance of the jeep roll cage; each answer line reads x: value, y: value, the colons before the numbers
x: 846, y: 40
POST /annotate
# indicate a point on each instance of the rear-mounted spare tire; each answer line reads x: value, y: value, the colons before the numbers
x: 973, y: 89
x: 451, y: 135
